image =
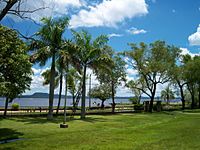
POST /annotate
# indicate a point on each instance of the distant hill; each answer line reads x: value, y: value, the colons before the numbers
x: 46, y: 95
x: 41, y: 95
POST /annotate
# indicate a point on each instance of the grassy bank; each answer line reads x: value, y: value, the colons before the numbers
x: 175, y: 130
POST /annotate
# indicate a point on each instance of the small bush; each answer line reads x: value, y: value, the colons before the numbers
x: 15, y: 106
x: 138, y: 107
x: 133, y: 100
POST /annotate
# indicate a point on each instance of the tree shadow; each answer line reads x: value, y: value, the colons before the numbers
x: 35, y: 120
x: 9, y: 134
x: 88, y: 119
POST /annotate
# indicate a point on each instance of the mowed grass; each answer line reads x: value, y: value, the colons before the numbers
x: 175, y: 130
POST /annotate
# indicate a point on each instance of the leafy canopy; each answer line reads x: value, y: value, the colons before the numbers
x: 15, y: 68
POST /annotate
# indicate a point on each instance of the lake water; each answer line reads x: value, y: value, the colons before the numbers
x: 44, y: 102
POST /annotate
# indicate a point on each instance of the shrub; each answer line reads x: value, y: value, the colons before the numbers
x: 15, y: 106
x: 133, y: 100
x: 138, y: 107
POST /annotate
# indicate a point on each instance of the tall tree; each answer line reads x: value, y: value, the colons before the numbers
x: 114, y: 75
x: 89, y: 53
x: 177, y: 74
x: 152, y: 63
x: 192, y: 76
x: 102, y: 92
x: 197, y: 74
x: 15, y: 67
x: 48, y: 44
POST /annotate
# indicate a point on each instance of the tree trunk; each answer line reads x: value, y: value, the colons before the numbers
x: 6, y: 107
x: 51, y: 89
x: 182, y: 97
x: 139, y: 99
x: 8, y: 6
x: 192, y: 106
x: 152, y: 98
x: 167, y: 98
x: 102, y: 103
x: 60, y: 92
x: 73, y: 100
x: 83, y: 94
x: 151, y: 105
x: 191, y: 90
x: 113, y: 97
x: 65, y: 103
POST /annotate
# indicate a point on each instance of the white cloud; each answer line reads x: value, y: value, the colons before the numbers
x: 186, y: 51
x: 136, y: 31
x: 52, y: 8
x: 109, y: 13
x: 194, y: 39
x: 114, y: 35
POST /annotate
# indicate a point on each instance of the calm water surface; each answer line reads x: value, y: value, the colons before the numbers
x: 44, y: 102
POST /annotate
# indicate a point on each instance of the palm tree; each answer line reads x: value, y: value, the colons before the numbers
x: 49, y: 42
x: 58, y: 80
x: 89, y: 53
x: 167, y: 94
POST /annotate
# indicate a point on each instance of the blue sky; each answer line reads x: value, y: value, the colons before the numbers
x: 174, y: 21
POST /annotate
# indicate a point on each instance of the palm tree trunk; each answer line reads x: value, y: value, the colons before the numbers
x: 60, y: 92
x: 65, y: 103
x: 6, y: 107
x: 83, y: 94
x: 51, y: 89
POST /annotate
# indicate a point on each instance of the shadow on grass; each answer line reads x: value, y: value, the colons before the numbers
x: 9, y: 134
x: 35, y: 120
x: 56, y: 120
x: 88, y: 119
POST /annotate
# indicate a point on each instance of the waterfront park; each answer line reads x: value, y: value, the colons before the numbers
x: 87, y: 91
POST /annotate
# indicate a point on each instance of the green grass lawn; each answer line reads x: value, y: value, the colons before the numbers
x: 175, y: 130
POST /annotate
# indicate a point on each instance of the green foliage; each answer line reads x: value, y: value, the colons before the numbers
x: 153, y: 64
x: 136, y: 87
x: 88, y: 53
x: 74, y: 81
x: 133, y: 100
x: 192, y: 71
x: 116, y: 72
x: 138, y: 107
x: 102, y: 92
x: 15, y: 106
x: 49, y: 43
x: 167, y: 94
x: 15, y: 68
